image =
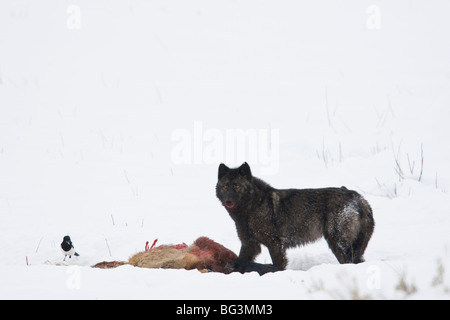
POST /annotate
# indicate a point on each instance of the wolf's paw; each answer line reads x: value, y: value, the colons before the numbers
x: 244, y: 266
x: 239, y: 265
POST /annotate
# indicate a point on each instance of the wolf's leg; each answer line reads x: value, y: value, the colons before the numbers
x: 346, y: 252
x: 337, y: 250
x: 249, y: 250
x: 278, y: 255
x: 359, y: 246
x: 341, y: 248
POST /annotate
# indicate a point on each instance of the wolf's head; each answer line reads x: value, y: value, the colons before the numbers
x: 235, y: 187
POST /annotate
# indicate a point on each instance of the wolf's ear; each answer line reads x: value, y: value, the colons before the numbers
x: 223, y: 170
x: 244, y: 170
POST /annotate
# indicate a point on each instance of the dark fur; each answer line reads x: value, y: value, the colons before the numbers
x: 281, y: 219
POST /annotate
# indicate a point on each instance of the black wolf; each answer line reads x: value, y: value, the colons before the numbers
x: 281, y: 219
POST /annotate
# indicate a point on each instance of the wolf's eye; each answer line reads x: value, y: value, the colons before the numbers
x: 236, y: 187
x: 225, y: 188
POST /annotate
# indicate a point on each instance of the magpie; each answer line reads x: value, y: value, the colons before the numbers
x: 68, y: 248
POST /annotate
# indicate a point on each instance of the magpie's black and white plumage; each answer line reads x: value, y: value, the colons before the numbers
x: 68, y: 248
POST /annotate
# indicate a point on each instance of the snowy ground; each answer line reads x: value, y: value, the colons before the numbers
x: 115, y: 114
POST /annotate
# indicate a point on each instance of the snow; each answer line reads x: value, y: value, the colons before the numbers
x: 97, y: 98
